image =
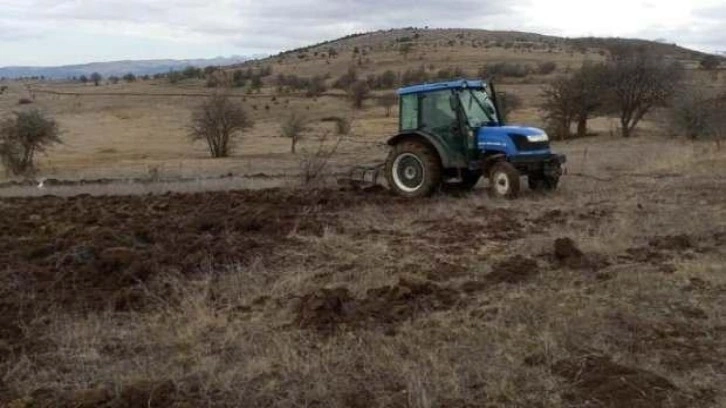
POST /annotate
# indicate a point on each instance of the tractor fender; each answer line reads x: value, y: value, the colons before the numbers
x: 447, y: 161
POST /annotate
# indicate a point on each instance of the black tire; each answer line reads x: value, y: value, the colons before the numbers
x: 413, y: 169
x: 504, y: 180
x: 543, y: 183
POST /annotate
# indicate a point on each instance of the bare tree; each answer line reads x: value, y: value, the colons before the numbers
x: 358, y: 93
x: 218, y: 121
x: 559, y: 107
x: 293, y: 128
x: 387, y: 101
x: 589, y: 90
x: 96, y: 78
x: 639, y: 81
x: 22, y: 137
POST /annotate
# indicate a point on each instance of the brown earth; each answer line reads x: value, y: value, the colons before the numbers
x: 249, y: 297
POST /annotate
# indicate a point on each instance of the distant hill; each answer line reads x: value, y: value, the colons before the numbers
x: 434, y: 50
x: 118, y: 68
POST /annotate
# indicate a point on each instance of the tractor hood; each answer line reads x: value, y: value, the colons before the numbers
x: 513, y: 140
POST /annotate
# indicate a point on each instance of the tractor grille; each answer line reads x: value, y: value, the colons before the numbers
x: 523, y: 144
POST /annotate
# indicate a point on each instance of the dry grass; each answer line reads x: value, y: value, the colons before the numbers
x: 229, y: 337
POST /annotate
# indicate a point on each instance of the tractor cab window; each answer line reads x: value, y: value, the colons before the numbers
x: 437, y: 114
x: 409, y: 112
x: 478, y: 107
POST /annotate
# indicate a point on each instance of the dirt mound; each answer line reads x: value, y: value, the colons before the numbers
x: 567, y: 254
x: 327, y: 310
x: 324, y: 309
x: 516, y: 269
x: 599, y: 382
x: 672, y: 242
x: 661, y: 249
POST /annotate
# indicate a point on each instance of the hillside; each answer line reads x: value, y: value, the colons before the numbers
x: 467, y: 49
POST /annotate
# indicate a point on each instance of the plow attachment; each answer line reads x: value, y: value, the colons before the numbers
x: 362, y: 177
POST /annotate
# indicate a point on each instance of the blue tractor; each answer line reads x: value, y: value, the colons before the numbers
x: 453, y: 133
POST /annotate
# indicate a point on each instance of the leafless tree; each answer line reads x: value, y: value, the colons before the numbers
x: 559, y: 107
x: 358, y: 93
x: 387, y: 101
x: 218, y: 121
x: 637, y: 82
x: 293, y: 128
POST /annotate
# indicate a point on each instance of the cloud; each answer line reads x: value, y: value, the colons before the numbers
x: 254, y: 26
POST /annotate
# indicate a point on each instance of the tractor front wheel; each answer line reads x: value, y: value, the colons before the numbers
x: 413, y: 169
x: 504, y: 180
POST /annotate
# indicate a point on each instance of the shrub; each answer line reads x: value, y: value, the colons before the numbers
x: 218, y: 121
x: 130, y: 77
x: 3, y: 89
x: 313, y: 164
x: 698, y: 114
x: 546, y: 68
x: 347, y: 79
x: 710, y: 62
x: 505, y: 69
x: 25, y: 101
x: 22, y: 137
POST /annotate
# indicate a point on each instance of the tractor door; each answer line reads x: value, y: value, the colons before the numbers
x: 440, y: 117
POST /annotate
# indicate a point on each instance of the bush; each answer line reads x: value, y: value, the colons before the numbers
x: 505, y: 69
x: 3, y: 89
x: 22, y: 137
x: 218, y: 121
x: 25, y: 101
x: 129, y: 77
x: 698, y: 115
x: 546, y: 68
x: 710, y: 62
x: 347, y: 79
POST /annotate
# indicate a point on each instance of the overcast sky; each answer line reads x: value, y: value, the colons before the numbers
x: 53, y: 32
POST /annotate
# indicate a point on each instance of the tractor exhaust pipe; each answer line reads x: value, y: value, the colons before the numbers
x: 495, y: 100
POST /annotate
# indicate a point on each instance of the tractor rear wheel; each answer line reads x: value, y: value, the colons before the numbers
x: 504, y: 180
x: 413, y: 169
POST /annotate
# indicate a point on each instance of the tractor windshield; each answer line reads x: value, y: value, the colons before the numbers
x: 479, y: 108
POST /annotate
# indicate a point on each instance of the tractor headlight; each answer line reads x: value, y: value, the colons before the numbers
x: 542, y: 137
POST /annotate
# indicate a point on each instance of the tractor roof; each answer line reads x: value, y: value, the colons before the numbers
x: 458, y: 84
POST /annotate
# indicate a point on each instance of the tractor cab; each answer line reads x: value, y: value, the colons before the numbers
x: 454, y: 132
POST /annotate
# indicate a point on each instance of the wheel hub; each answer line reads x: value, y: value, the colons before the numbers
x: 408, y: 172
x: 501, y: 183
